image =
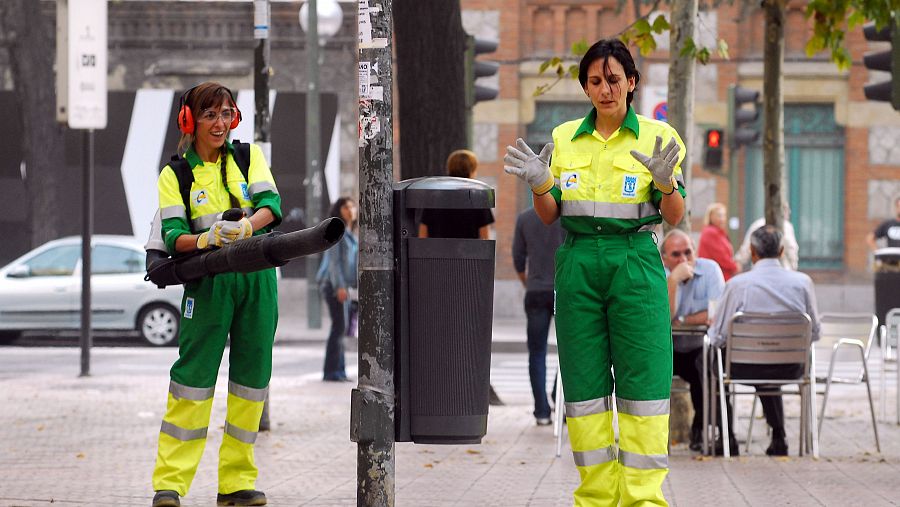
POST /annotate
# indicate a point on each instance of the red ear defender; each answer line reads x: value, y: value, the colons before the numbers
x: 235, y: 120
x: 185, y: 119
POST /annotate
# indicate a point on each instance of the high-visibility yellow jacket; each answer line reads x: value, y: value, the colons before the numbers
x: 600, y: 187
x: 208, y: 195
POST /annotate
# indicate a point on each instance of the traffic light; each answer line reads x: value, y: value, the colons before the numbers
x: 712, y: 154
x: 887, y: 60
x: 476, y: 69
x: 742, y: 128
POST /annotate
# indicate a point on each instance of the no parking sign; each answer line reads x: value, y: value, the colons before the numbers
x: 655, y: 102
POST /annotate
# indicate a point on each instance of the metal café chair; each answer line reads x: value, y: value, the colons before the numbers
x: 768, y: 339
x: 846, y: 339
x: 889, y: 332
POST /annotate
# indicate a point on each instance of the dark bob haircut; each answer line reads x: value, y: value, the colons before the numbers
x: 603, y: 49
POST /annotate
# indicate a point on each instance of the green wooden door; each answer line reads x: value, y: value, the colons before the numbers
x: 814, y: 168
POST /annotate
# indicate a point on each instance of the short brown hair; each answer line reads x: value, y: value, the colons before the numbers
x: 462, y: 164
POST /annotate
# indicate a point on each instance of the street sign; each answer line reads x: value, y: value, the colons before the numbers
x: 654, y: 102
x: 87, y: 68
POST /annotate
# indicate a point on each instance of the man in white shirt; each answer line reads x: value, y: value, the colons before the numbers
x: 767, y: 288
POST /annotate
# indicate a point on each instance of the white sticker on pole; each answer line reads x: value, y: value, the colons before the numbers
x: 261, y: 18
x: 87, y: 64
x: 365, y: 23
x: 364, y: 70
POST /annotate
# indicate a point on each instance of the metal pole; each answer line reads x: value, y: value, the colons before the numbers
x: 733, y: 234
x: 87, y: 226
x: 262, y: 119
x: 313, y: 179
x: 372, y: 412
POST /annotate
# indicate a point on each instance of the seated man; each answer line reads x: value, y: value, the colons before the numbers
x: 767, y: 288
x: 692, y: 283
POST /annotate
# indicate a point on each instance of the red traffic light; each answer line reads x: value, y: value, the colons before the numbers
x: 713, y: 138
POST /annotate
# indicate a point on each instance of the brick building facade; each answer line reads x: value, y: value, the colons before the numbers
x: 842, y: 152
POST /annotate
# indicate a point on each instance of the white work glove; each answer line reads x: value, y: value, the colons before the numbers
x: 533, y: 169
x: 661, y: 164
x: 241, y: 229
x: 224, y: 232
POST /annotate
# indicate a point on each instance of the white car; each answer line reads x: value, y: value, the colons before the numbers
x: 42, y: 291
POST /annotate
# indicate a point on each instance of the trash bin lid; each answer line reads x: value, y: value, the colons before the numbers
x: 446, y: 192
x: 891, y: 254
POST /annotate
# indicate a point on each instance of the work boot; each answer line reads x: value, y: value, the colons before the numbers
x: 242, y: 497
x: 166, y: 498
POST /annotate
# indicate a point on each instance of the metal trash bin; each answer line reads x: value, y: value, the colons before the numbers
x: 443, y: 313
x: 887, y: 281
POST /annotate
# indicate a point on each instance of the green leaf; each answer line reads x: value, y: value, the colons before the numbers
x: 540, y: 90
x: 646, y: 44
x: 689, y: 48
x: 543, y: 66
x: 580, y: 47
x: 703, y: 55
x: 722, y: 48
x: 641, y: 27
x: 815, y: 44
x: 573, y: 71
x: 559, y: 71
x: 660, y: 24
x: 855, y: 19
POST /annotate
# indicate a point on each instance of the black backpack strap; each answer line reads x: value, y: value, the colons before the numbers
x: 242, y: 158
x: 185, y: 175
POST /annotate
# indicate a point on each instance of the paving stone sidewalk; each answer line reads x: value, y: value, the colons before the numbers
x: 91, y: 441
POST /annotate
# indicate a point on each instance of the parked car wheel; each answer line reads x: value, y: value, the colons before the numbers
x: 158, y: 325
x: 9, y: 336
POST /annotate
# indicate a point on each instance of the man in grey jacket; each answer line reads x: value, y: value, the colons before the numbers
x: 533, y: 251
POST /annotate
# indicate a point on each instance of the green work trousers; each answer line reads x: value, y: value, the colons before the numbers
x: 244, y: 307
x: 614, y: 336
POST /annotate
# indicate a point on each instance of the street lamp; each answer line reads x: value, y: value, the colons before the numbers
x: 329, y: 18
x: 320, y: 19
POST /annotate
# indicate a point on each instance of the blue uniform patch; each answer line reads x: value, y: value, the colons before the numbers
x: 244, y: 191
x: 189, y: 308
x: 629, y: 185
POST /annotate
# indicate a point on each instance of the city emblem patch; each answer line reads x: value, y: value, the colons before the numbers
x: 244, y: 191
x: 569, y: 181
x: 629, y: 185
x: 189, y: 308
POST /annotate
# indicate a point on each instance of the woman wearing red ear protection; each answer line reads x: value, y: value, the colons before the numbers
x: 243, y: 306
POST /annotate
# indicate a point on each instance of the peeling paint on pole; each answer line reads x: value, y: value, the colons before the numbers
x: 372, y: 404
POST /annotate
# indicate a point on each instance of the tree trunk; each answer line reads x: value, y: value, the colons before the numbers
x: 773, y: 112
x: 31, y: 52
x: 430, y: 48
x: 681, y: 88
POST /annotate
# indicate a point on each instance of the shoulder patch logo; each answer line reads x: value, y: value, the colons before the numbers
x: 629, y: 185
x: 244, y: 191
x: 569, y: 181
x: 200, y: 197
x: 189, y: 308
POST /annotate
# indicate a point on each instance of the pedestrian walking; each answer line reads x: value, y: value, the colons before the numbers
x: 534, y: 244
x: 337, y: 279
x: 242, y: 306
x: 611, y: 302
